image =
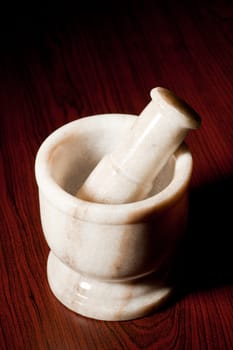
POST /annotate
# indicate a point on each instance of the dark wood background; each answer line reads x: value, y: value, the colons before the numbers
x: 61, y: 63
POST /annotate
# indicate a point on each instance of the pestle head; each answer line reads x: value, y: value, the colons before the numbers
x: 176, y: 107
x: 127, y: 174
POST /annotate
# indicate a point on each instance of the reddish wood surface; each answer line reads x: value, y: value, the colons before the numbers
x: 65, y: 63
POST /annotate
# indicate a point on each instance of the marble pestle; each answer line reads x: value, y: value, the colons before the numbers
x: 127, y: 174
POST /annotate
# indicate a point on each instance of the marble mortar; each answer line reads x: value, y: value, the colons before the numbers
x: 109, y: 262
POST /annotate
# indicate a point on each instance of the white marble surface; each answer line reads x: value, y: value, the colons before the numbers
x: 123, y: 254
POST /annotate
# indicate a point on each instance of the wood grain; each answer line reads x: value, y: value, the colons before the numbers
x: 66, y: 63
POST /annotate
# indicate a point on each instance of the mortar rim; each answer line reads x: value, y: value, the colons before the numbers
x: 113, y: 214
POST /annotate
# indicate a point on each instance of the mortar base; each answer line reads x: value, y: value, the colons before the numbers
x: 105, y: 300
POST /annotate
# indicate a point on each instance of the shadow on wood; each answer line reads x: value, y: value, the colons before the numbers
x: 208, y: 250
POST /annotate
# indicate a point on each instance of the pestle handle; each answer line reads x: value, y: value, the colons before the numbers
x: 127, y: 174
